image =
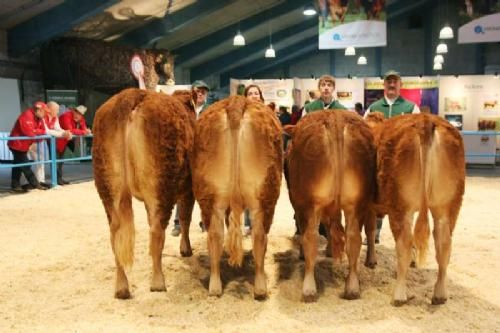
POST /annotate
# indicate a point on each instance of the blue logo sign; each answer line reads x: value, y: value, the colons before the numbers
x: 336, y: 37
x: 478, y: 29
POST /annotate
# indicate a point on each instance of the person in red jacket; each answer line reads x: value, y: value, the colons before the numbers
x: 74, y: 122
x: 29, y: 123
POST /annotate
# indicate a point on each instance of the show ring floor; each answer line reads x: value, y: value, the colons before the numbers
x: 57, y: 274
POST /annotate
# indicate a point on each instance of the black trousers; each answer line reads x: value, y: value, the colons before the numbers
x: 22, y: 157
x: 71, y: 146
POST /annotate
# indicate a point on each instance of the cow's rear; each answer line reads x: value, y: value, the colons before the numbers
x: 331, y: 168
x: 237, y: 164
x: 420, y: 167
x: 141, y: 145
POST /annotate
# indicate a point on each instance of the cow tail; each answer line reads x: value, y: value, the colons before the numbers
x: 234, y: 242
x: 422, y: 231
x: 124, y: 238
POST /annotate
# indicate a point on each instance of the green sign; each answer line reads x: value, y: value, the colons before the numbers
x: 63, y: 97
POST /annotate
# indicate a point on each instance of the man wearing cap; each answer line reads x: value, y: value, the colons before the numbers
x: 29, y: 123
x: 391, y: 105
x: 326, y: 101
x: 200, y: 88
x: 74, y: 122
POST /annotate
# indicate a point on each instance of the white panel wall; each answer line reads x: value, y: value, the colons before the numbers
x: 9, y: 103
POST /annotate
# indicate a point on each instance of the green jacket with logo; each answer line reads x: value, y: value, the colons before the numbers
x: 399, y: 107
x: 317, y: 105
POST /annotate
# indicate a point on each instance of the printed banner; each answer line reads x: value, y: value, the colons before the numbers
x: 344, y: 23
x: 479, y: 22
x: 65, y: 98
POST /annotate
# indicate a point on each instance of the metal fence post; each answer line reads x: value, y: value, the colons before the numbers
x: 53, y: 163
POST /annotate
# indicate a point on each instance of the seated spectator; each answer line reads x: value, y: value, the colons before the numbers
x: 73, y: 122
x: 29, y: 123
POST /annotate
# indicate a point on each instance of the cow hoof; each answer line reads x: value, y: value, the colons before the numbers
x: 438, y: 300
x: 371, y: 265
x: 157, y: 289
x: 310, y: 298
x: 259, y: 297
x: 351, y: 295
x: 187, y: 253
x: 399, y: 302
x: 122, y: 294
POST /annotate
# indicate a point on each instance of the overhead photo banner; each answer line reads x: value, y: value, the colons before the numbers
x: 344, y: 23
x: 479, y: 22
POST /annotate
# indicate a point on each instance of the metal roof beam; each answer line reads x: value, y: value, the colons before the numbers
x: 52, y: 23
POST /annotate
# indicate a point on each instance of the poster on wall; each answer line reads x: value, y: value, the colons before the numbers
x: 476, y: 97
x: 456, y: 120
x: 344, y: 23
x: 279, y: 92
x: 479, y: 21
x: 423, y: 91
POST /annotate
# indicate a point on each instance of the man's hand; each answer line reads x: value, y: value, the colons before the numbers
x: 88, y: 131
x: 67, y: 135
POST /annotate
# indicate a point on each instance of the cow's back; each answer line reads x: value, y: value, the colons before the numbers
x: 401, y: 161
x: 237, y: 154
x: 332, y: 153
x: 141, y: 143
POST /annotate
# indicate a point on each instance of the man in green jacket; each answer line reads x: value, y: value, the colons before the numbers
x: 326, y: 86
x: 391, y: 105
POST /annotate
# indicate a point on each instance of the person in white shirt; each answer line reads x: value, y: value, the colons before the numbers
x: 37, y: 149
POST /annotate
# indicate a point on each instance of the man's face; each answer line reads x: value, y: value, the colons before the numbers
x: 40, y: 112
x: 326, y: 89
x: 392, y: 85
x: 53, y: 110
x: 201, y: 95
x: 77, y: 116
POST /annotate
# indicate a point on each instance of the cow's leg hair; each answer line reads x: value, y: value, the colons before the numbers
x: 370, y: 222
x: 259, y: 239
x: 215, y: 248
x: 185, y: 212
x: 442, y: 243
x: 353, y: 247
x: 310, y: 245
x: 156, y: 243
x: 401, y: 229
x: 122, y: 239
x: 336, y: 239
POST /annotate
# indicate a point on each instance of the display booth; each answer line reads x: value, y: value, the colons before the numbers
x: 472, y: 104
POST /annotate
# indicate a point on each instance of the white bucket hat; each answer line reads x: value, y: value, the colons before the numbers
x: 81, y: 109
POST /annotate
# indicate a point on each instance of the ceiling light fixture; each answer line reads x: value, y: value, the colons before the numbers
x: 437, y: 66
x: 309, y: 10
x: 350, y: 51
x: 439, y: 58
x: 362, y: 60
x: 442, y: 48
x: 446, y: 33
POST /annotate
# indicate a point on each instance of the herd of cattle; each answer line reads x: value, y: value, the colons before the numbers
x: 149, y: 146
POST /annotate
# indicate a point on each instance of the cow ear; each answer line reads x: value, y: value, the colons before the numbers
x: 289, y: 129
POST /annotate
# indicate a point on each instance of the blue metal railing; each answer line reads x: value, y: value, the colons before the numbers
x: 53, y: 159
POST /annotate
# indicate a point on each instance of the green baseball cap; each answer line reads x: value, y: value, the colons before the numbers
x: 391, y: 73
x: 200, y: 84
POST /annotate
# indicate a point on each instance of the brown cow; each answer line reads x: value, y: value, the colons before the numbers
x: 142, y: 140
x: 420, y: 167
x: 237, y: 164
x: 332, y: 168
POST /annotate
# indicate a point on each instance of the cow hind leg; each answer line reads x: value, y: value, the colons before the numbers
x: 156, y: 244
x: 122, y: 236
x: 353, y: 247
x: 310, y: 245
x: 215, y: 248
x: 259, y: 239
x: 370, y: 222
x: 401, y: 229
x: 442, y: 241
x: 185, y: 212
